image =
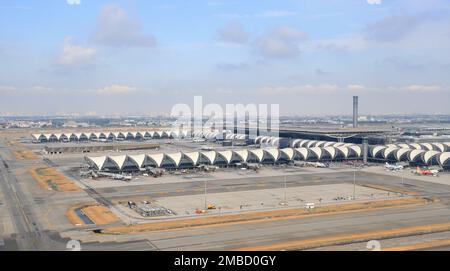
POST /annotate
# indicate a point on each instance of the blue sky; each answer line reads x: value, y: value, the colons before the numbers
x: 142, y: 57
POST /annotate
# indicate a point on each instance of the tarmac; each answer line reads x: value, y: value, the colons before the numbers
x: 33, y: 218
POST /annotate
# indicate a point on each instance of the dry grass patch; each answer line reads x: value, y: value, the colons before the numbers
x: 25, y: 155
x: 51, y: 179
x: 98, y: 214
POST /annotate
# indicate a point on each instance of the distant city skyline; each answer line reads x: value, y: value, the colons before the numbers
x: 138, y: 57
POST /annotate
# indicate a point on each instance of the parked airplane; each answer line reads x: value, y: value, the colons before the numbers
x: 317, y: 164
x: 427, y: 172
x: 393, y: 167
x: 207, y: 148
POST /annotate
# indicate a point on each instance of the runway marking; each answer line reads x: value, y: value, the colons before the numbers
x: 349, y: 238
x: 263, y: 216
x: 424, y: 245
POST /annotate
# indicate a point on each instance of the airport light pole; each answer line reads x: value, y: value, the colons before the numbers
x: 354, y: 184
x: 206, y: 207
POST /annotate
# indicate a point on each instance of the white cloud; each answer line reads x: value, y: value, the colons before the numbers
x: 233, y: 32
x: 268, y: 14
x: 116, y: 28
x: 73, y: 55
x: 116, y: 89
x: 373, y: 2
x: 276, y: 14
x: 74, y: 2
x: 280, y: 42
x: 355, y: 87
x: 320, y: 88
x: 41, y: 88
x: 7, y: 88
x: 417, y: 88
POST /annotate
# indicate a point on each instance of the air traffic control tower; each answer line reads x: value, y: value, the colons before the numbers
x: 355, y: 111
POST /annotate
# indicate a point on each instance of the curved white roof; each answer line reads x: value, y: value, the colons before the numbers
x: 303, y: 152
x: 176, y: 157
x: 429, y: 155
x: 403, y: 145
x: 331, y: 151
x: 274, y: 153
x: 376, y: 150
x: 356, y: 149
x: 289, y: 152
x: 227, y: 155
x: 275, y: 142
x: 193, y: 156
x: 258, y: 139
x: 439, y: 146
x: 344, y: 150
x: 320, y: 143
x: 265, y: 139
x: 416, y: 146
x: 98, y: 161
x: 388, y: 151
x: 243, y: 154
x: 119, y: 160
x: 444, y: 158
x: 414, y: 153
x: 400, y: 152
x: 211, y: 155
x: 303, y: 143
x: 427, y: 146
x: 258, y: 153
x: 311, y: 143
x: 295, y: 142
x: 339, y: 144
x: 329, y: 143
x: 317, y: 151
x: 138, y: 158
x: 157, y: 158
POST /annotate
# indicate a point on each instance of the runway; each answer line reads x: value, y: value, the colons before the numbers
x: 254, y: 234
